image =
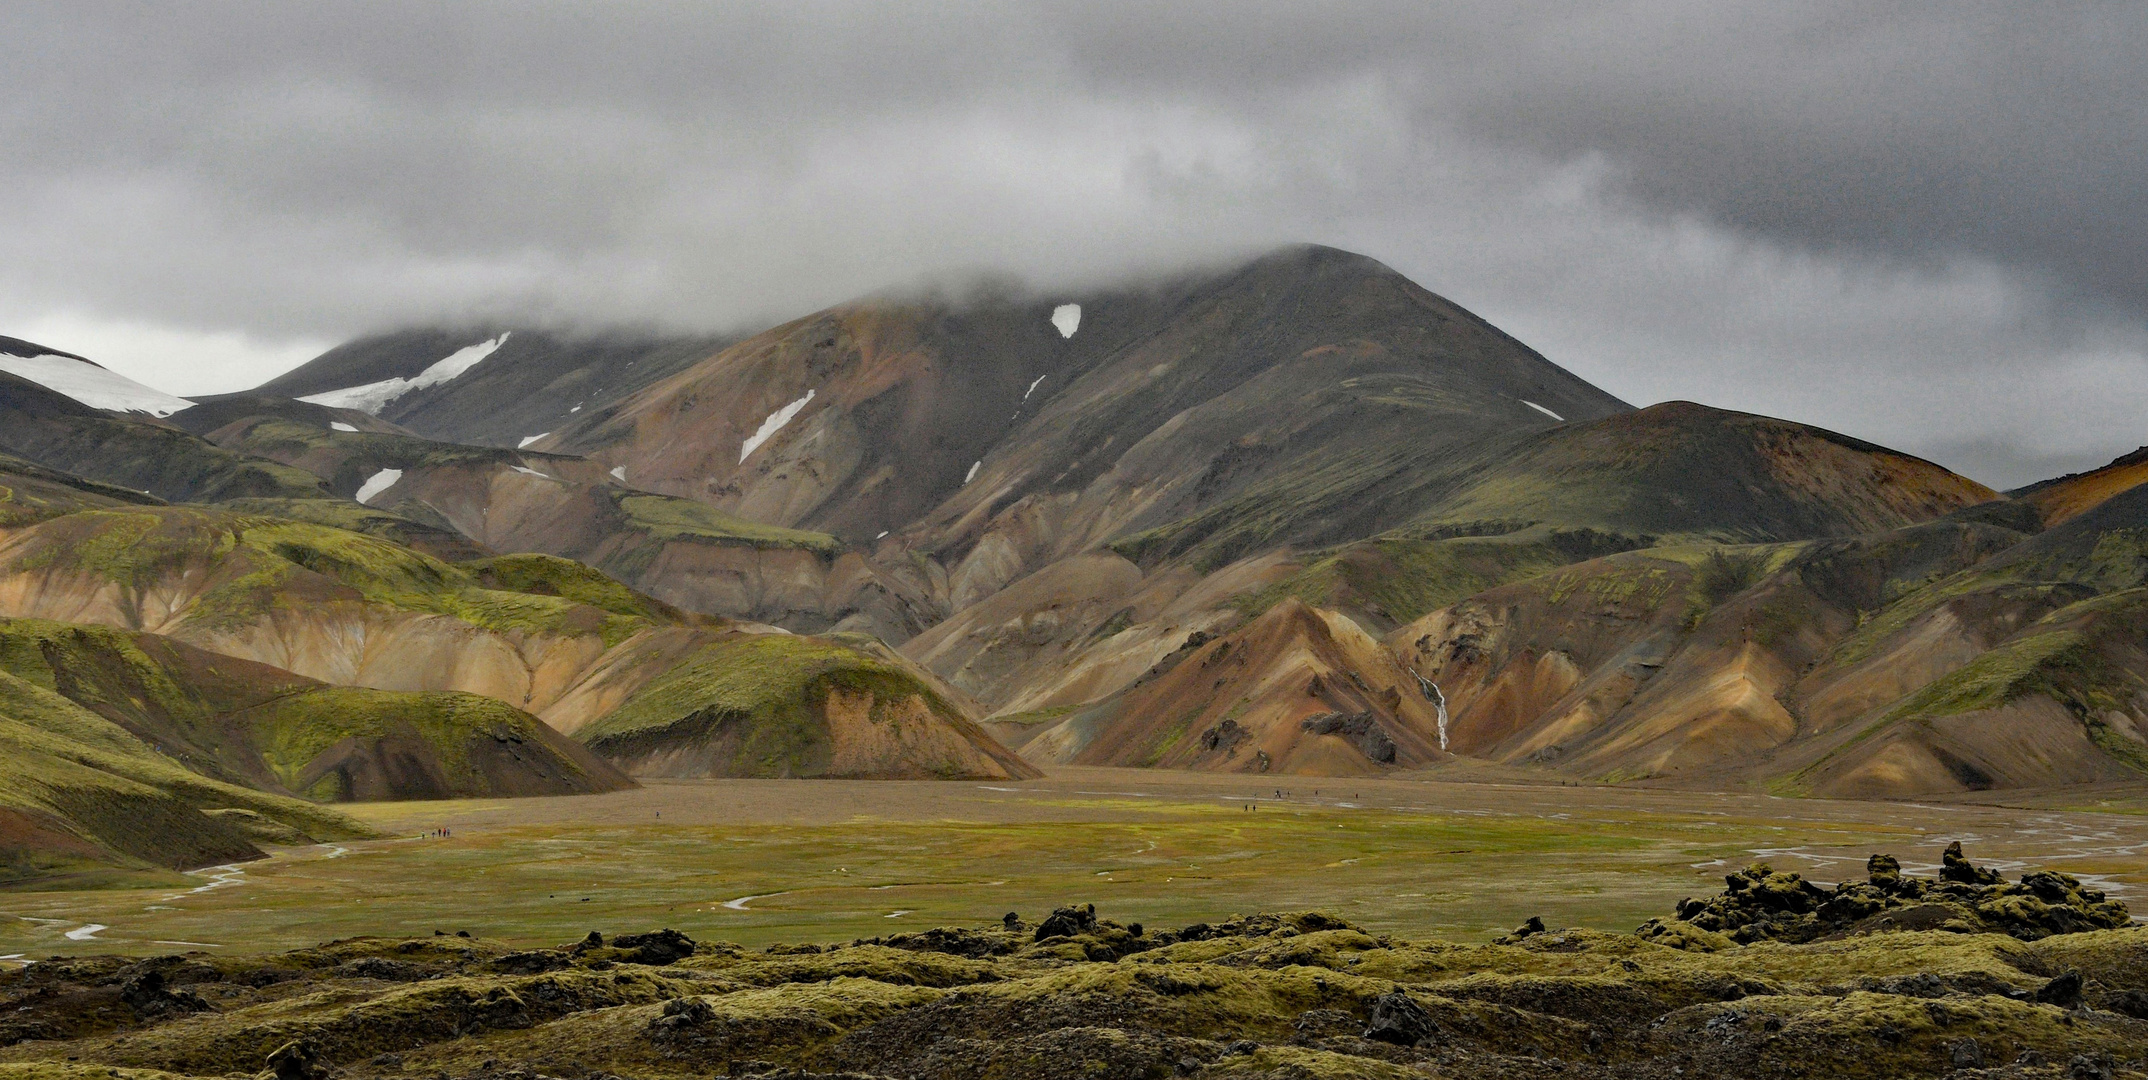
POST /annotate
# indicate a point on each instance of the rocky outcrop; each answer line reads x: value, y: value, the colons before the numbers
x: 1761, y: 904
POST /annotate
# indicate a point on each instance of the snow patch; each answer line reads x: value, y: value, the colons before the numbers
x: 338, y: 425
x: 529, y: 472
x: 530, y: 439
x: 1545, y: 411
x: 1033, y: 386
x: 94, y: 386
x: 373, y: 397
x: 576, y: 409
x: 377, y: 483
x: 1067, y: 317
x: 883, y: 535
x: 619, y: 473
x: 770, y: 426
x: 86, y: 933
x: 972, y: 474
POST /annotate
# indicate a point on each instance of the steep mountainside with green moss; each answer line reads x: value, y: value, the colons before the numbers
x: 779, y: 705
x: 248, y: 723
x: 84, y: 802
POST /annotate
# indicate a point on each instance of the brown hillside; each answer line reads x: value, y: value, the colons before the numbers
x: 1297, y: 691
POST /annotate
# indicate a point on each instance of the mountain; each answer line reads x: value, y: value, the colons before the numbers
x: 1283, y: 516
x: 1670, y: 478
x: 83, y: 802
x: 1955, y: 655
x: 265, y: 728
x: 951, y: 425
x: 83, y: 381
x: 58, y: 432
x: 488, y: 385
x: 538, y: 633
x: 2059, y: 499
x: 30, y: 493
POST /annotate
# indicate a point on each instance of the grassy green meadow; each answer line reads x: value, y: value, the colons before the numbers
x: 829, y: 860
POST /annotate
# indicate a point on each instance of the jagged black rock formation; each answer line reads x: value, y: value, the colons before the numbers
x: 1762, y: 904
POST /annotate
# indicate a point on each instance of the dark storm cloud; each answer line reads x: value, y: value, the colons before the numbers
x: 1742, y: 203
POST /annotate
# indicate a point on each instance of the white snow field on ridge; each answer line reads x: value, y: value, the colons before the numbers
x: 375, y: 396
x: 94, y: 386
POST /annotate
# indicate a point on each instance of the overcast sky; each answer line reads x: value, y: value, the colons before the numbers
x: 1922, y: 224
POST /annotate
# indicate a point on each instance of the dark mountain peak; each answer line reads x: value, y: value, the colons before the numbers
x: 14, y: 346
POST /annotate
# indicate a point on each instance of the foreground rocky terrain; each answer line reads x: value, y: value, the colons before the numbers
x: 2023, y: 982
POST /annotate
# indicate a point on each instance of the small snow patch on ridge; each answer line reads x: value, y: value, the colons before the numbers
x: 530, y: 472
x: 528, y: 439
x: 1067, y: 317
x: 770, y: 426
x: 373, y: 397
x: 972, y: 474
x: 619, y: 473
x: 377, y: 483
x: 92, y: 385
x: 1545, y: 411
x: 338, y: 425
x: 1033, y: 386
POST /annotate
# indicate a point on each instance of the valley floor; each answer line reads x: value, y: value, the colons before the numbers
x: 1455, y: 854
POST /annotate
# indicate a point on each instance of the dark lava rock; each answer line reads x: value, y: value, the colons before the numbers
x: 1224, y: 736
x: 298, y: 1060
x: 658, y: 947
x: 1760, y: 904
x: 1534, y: 926
x: 1362, y: 729
x: 382, y: 968
x: 1397, y: 1018
x: 1956, y: 867
x: 954, y: 941
x: 533, y: 962
x: 1067, y: 922
x: 2064, y: 991
x: 2133, y: 1003
x: 680, y: 1016
x: 151, y: 999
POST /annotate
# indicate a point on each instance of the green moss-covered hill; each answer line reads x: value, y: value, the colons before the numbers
x: 83, y: 801
x: 781, y: 705
x: 651, y: 688
x: 30, y: 493
x: 61, y: 433
x: 249, y: 723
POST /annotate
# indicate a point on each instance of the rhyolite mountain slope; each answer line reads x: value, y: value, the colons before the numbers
x: 1671, y: 478
x: 539, y: 633
x: 1058, y: 509
x: 1951, y: 656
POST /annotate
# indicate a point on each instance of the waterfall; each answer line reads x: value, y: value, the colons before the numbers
x: 1432, y: 694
